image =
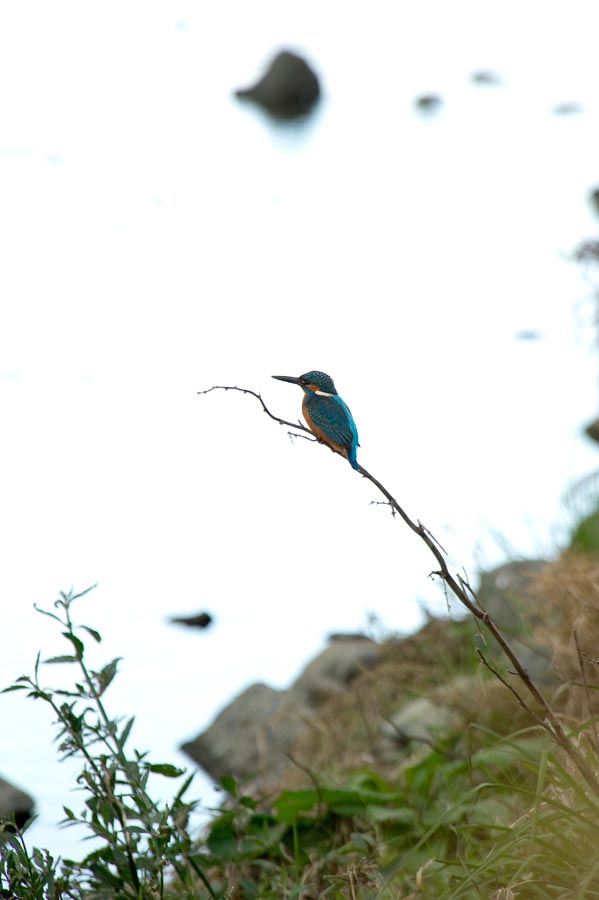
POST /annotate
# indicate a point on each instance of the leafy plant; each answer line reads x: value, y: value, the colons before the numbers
x: 25, y: 874
x: 141, y: 839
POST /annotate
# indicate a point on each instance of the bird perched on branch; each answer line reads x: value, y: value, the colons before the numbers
x: 328, y: 417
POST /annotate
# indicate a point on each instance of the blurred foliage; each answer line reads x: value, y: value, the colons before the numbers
x: 585, y: 535
x: 140, y: 839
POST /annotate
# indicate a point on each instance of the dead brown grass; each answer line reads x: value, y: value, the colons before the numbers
x: 439, y: 662
x: 570, y: 629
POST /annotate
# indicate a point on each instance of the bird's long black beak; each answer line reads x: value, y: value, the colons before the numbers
x: 290, y: 378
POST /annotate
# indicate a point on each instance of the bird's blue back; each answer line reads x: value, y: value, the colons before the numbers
x: 332, y: 416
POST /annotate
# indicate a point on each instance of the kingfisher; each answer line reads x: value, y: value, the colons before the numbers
x: 328, y: 417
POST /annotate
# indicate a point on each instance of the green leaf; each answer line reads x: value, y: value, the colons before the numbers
x: 228, y: 784
x: 40, y: 695
x: 37, y: 857
x: 14, y: 687
x: 11, y: 840
x: 122, y: 740
x: 251, y: 846
x: 105, y: 676
x: 95, y: 634
x: 399, y: 816
x: 166, y: 769
x: 221, y: 841
x: 363, y: 842
x: 289, y: 804
x: 249, y: 889
x: 76, y: 642
x: 60, y: 659
x: 184, y: 787
x: 344, y: 802
x: 369, y: 781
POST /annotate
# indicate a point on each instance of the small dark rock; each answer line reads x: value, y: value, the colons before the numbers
x: 592, y: 430
x: 428, y: 103
x: 201, y: 620
x: 587, y: 251
x: 485, y: 77
x: 594, y: 198
x: 528, y: 334
x: 566, y: 109
x: 288, y: 89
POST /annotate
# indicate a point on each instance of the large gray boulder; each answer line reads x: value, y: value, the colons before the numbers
x: 420, y: 721
x: 254, y: 736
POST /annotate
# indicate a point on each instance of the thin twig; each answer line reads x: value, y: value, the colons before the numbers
x: 467, y: 597
x: 509, y: 686
x: 231, y: 387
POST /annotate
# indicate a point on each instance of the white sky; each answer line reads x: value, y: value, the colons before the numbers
x: 158, y: 238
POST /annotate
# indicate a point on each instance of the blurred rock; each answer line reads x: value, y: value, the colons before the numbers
x: 528, y: 334
x: 252, y: 737
x: 332, y: 670
x: 420, y: 721
x: 592, y: 430
x: 200, y: 620
x: 14, y: 801
x: 428, y: 103
x: 289, y: 89
x: 587, y: 251
x: 485, y: 77
x: 511, y: 595
x: 566, y: 109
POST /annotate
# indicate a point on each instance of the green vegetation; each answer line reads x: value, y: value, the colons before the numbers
x: 142, y: 840
x: 585, y: 536
x: 479, y: 812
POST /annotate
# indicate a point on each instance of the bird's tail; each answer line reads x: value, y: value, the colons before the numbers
x: 352, y: 457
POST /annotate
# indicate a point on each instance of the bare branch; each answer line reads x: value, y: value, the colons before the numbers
x: 510, y: 687
x: 231, y: 387
x: 467, y: 597
x: 307, y: 434
x: 305, y: 437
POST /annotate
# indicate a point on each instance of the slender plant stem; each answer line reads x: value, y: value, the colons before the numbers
x: 466, y: 596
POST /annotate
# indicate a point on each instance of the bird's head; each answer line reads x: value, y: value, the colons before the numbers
x: 319, y: 382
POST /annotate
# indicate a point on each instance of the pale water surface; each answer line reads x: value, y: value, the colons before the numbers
x: 158, y: 238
